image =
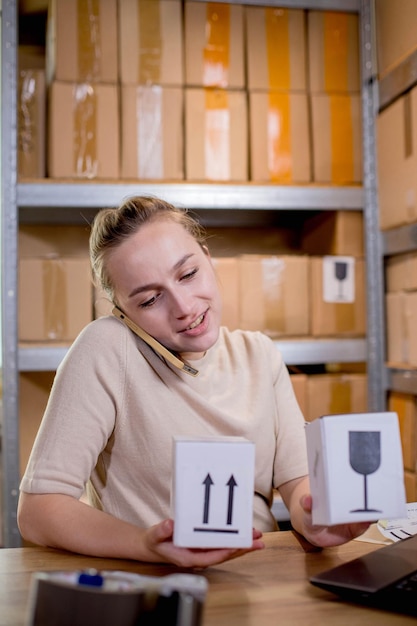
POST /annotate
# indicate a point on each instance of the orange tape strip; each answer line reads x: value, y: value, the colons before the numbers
x: 335, y: 51
x: 341, y: 139
x: 88, y: 23
x: 278, y: 48
x: 279, y: 137
x: 216, y: 54
x: 150, y: 42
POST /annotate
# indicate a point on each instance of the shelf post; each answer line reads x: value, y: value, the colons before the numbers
x: 9, y: 219
x: 373, y: 239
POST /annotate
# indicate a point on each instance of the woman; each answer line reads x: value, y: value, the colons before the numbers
x: 116, y: 403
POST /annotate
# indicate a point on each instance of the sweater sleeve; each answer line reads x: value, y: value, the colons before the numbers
x: 291, y: 452
x: 81, y: 413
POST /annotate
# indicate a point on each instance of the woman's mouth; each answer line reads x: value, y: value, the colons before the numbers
x: 196, y: 323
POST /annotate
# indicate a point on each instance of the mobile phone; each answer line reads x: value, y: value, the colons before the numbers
x: 154, y: 344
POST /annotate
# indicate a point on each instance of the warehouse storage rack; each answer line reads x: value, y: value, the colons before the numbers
x: 60, y: 202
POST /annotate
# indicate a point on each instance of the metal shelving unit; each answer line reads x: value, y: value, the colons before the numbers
x: 63, y: 202
x: 403, y: 238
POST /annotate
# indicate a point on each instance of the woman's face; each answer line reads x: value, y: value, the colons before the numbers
x: 165, y: 282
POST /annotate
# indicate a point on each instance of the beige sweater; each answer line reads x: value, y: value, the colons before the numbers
x: 115, y: 407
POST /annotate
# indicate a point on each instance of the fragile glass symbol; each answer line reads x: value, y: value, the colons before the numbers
x: 365, y: 459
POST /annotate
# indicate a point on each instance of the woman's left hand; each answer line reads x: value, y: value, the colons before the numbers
x: 327, y: 536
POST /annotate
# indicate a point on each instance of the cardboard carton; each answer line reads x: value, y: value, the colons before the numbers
x: 276, y: 49
x: 337, y: 300
x: 279, y: 137
x: 151, y: 42
x: 396, y: 33
x: 333, y: 52
x: 31, y: 114
x: 337, y: 138
x: 299, y: 384
x: 214, y: 45
x: 152, y: 132
x: 81, y: 41
x: 401, y: 272
x: 34, y: 388
x: 356, y: 468
x: 212, y: 495
x: 227, y: 271
x: 55, y: 298
x: 405, y: 405
x: 83, y: 131
x: 397, y: 162
x: 216, y: 135
x: 330, y: 394
x: 401, y: 315
x: 275, y: 294
x: 334, y: 233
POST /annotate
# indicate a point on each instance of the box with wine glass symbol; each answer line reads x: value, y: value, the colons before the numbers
x: 356, y: 468
x: 338, y: 296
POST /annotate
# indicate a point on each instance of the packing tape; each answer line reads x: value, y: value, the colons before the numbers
x: 106, y: 598
x: 89, y: 44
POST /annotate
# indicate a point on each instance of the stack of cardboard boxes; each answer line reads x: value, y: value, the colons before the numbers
x: 397, y: 186
x: 197, y: 91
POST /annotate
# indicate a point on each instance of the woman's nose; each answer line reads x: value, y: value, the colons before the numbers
x: 182, y: 305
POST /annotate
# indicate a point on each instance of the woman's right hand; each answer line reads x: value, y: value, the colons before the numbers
x: 158, y: 540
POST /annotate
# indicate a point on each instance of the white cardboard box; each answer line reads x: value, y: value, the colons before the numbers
x: 212, y: 495
x: 356, y: 468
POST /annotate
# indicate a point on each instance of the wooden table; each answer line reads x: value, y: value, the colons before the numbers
x: 265, y: 588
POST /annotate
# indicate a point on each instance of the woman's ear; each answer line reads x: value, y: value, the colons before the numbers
x: 206, y: 250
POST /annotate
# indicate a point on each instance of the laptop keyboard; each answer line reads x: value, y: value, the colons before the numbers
x: 408, y: 584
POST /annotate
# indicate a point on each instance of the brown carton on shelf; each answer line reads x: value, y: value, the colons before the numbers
x: 214, y: 45
x: 31, y: 114
x: 334, y: 232
x: 276, y: 48
x: 397, y: 162
x: 405, y: 405
x: 55, y: 298
x: 81, y: 41
x: 274, y: 294
x: 279, y: 137
x: 337, y: 138
x: 333, y: 51
x: 299, y: 384
x: 395, y: 327
x: 401, y: 272
x: 152, y: 132
x: 337, y: 299
x: 331, y: 394
x: 396, y: 32
x: 227, y: 272
x: 151, y: 42
x: 34, y: 388
x: 83, y: 131
x: 216, y: 135
x: 401, y: 315
x: 53, y: 240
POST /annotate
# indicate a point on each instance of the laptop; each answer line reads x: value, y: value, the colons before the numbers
x: 385, y: 578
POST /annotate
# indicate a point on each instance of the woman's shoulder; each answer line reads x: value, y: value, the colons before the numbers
x: 107, y: 328
x: 248, y: 341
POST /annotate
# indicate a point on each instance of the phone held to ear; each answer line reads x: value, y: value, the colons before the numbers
x: 154, y: 344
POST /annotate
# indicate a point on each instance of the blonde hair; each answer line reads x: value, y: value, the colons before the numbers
x: 114, y: 225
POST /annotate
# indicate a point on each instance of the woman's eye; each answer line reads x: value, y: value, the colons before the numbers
x: 189, y: 274
x: 150, y: 302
